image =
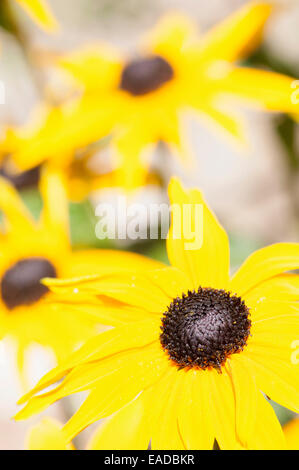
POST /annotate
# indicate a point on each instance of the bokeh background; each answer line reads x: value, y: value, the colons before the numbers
x: 256, y: 196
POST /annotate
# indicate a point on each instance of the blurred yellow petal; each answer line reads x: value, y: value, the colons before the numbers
x: 100, y: 347
x: 222, y: 409
x: 166, y: 435
x: 170, y: 35
x: 125, y: 430
x: 291, y: 433
x: 196, y: 243
x: 47, y: 435
x: 40, y: 12
x: 237, y: 35
x: 264, y: 264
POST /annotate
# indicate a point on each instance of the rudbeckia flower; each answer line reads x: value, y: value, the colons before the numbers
x: 31, y: 250
x: 197, y: 353
x: 40, y: 12
x: 174, y: 71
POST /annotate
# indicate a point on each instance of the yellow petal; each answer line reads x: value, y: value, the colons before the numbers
x: 165, y: 433
x: 131, y: 288
x: 196, y: 243
x: 47, y: 435
x: 291, y: 432
x: 19, y: 218
x: 125, y: 430
x: 99, y: 347
x: 275, y: 377
x: 168, y: 38
x: 263, y: 89
x: 195, y: 425
x: 284, y: 287
x: 237, y: 35
x: 264, y: 264
x: 96, y: 66
x: 246, y: 398
x: 267, y: 434
x: 55, y: 213
x: 40, y: 12
x: 222, y: 409
x: 232, y: 124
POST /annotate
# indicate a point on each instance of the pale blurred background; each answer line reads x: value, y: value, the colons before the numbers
x: 256, y: 196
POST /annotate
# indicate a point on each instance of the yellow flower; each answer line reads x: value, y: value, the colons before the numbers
x: 142, y: 99
x: 198, y: 347
x: 31, y: 250
x: 40, y: 12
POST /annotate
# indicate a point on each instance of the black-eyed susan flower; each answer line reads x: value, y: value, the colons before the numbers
x: 31, y: 250
x: 40, y: 12
x: 142, y: 98
x: 198, y: 350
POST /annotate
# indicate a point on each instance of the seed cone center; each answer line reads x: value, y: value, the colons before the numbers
x: 143, y: 75
x: 202, y: 329
x: 21, y: 285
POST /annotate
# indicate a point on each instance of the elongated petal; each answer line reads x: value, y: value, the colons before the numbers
x: 40, y: 12
x: 237, y: 35
x: 96, y: 66
x: 230, y: 124
x: 262, y: 89
x: 125, y: 430
x: 196, y: 243
x: 55, y: 214
x: 264, y: 264
x: 47, y: 435
x: 267, y: 433
x: 284, y: 287
x: 170, y: 36
x: 145, y: 370
x: 131, y: 288
x: 275, y: 377
x: 291, y: 432
x: 101, y: 346
x: 246, y: 398
x: 165, y: 432
x: 195, y: 425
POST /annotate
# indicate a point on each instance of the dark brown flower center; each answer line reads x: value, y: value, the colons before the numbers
x: 146, y: 74
x: 21, y: 285
x: 201, y: 329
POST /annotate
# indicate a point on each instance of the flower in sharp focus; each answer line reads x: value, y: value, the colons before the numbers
x: 31, y: 250
x: 40, y: 12
x: 174, y: 71
x: 198, y: 351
